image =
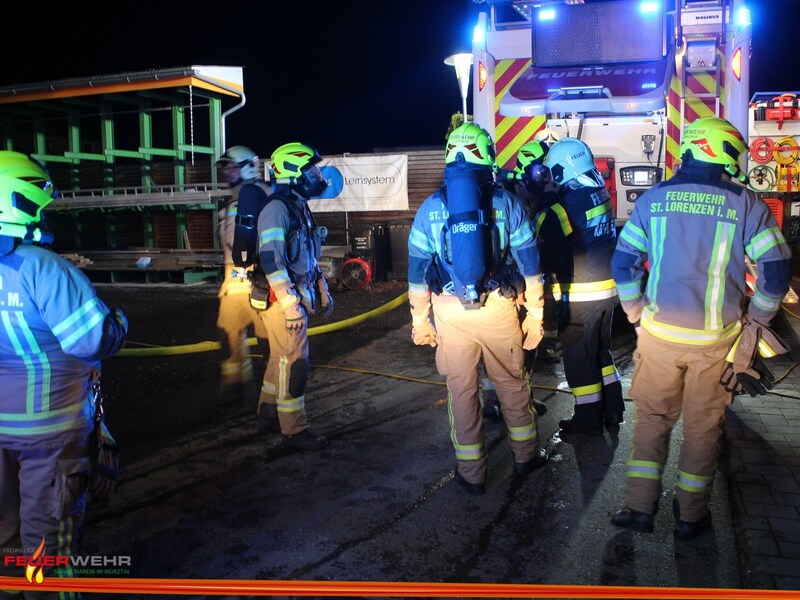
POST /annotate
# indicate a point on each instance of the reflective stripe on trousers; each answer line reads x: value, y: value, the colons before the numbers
x: 286, y: 374
x: 491, y: 333
x: 671, y: 380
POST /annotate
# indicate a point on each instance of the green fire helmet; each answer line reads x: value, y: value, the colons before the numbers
x: 715, y: 141
x: 531, y: 153
x: 25, y: 189
x: 290, y: 160
x: 470, y: 143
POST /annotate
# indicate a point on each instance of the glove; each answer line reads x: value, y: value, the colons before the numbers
x: 755, y: 385
x: 121, y: 318
x: 295, y: 318
x: 325, y: 298
x: 118, y: 316
x: 423, y: 333
x: 746, y: 372
x: 293, y: 311
x: 532, y: 329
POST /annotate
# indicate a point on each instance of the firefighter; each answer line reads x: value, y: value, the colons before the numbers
x: 240, y: 169
x: 577, y: 237
x: 529, y: 183
x: 693, y: 232
x: 289, y: 246
x: 489, y: 327
x: 538, y: 192
x: 54, y: 333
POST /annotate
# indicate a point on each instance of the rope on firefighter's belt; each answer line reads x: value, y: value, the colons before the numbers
x: 151, y: 350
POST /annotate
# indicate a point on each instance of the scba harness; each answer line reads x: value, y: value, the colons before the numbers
x: 470, y: 242
x: 303, y: 230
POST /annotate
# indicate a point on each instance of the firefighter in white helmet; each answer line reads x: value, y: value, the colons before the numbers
x: 477, y: 318
x: 577, y: 238
x: 289, y: 245
x: 54, y: 333
x: 236, y: 317
x: 693, y: 232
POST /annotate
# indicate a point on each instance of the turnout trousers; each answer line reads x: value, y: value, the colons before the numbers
x: 234, y: 319
x: 464, y: 336
x: 669, y: 380
x: 588, y: 366
x: 42, y: 497
x: 286, y: 374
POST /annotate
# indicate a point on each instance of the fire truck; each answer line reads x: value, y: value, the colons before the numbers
x: 625, y: 76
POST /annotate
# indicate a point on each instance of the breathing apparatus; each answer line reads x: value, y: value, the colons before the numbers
x: 468, y: 190
x: 530, y: 169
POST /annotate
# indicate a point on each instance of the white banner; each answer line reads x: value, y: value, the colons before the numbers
x: 360, y: 183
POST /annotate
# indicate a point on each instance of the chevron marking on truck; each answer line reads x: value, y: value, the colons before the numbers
x: 694, y: 108
x: 511, y: 132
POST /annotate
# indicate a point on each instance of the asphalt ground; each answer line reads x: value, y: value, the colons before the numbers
x: 205, y: 496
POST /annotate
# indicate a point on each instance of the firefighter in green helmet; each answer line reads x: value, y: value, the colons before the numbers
x: 537, y: 192
x: 698, y: 335
x: 472, y: 258
x: 289, y: 244
x: 54, y: 333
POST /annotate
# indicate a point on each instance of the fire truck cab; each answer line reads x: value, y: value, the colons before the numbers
x: 624, y: 76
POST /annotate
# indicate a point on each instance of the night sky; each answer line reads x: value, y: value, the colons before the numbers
x: 343, y: 76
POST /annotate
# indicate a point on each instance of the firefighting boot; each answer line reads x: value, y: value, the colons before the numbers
x: 627, y: 518
x: 473, y: 489
x: 588, y: 419
x: 688, y: 530
x: 539, y: 460
x: 268, y: 418
x: 305, y: 440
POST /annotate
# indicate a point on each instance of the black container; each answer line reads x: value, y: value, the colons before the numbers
x: 398, y: 236
x: 371, y: 241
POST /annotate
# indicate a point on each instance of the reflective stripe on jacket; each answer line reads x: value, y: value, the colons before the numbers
x: 578, y: 238
x: 694, y: 234
x: 52, y: 334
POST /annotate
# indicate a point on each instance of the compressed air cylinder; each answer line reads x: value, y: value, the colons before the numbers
x: 469, y: 224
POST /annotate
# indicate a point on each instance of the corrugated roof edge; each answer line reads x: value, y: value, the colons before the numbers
x: 94, y: 80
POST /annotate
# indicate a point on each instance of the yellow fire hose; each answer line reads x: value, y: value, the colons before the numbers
x: 328, y: 328
x: 210, y: 346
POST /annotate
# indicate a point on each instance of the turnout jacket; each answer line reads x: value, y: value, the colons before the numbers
x: 578, y: 238
x: 54, y: 330
x: 693, y: 232
x: 429, y: 247
x: 289, y: 244
x: 226, y: 226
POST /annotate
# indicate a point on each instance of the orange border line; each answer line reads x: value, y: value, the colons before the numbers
x: 393, y: 589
